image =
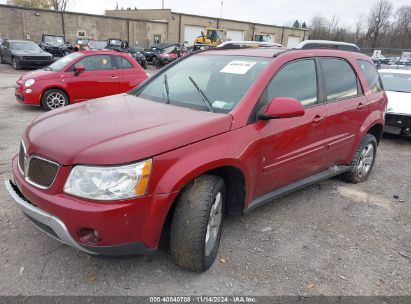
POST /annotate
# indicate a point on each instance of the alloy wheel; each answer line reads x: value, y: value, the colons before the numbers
x: 366, y: 160
x: 214, y: 223
x: 55, y: 100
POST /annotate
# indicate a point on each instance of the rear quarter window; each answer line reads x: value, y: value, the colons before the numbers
x: 372, y: 76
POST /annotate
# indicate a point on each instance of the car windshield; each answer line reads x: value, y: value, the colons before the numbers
x: 97, y: 45
x: 24, y: 46
x: 55, y: 40
x: 396, y: 82
x: 198, y: 80
x: 62, y: 62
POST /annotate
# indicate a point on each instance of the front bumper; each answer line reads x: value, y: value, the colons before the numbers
x: 126, y: 227
x: 35, y: 63
x: 33, y: 98
x: 398, y: 124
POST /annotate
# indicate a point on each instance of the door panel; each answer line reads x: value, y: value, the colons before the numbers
x: 292, y: 148
x: 100, y: 78
x: 346, y: 109
x: 130, y: 76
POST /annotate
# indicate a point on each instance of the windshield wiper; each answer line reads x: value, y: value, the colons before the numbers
x: 167, y: 88
x: 203, y: 96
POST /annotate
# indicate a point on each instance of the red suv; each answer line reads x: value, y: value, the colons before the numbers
x: 80, y: 76
x: 172, y: 157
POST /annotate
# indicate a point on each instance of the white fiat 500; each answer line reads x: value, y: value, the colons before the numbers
x: 397, y: 84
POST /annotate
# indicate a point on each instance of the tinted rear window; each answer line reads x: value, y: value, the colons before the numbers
x: 340, y: 79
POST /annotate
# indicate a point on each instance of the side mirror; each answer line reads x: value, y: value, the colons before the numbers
x: 79, y: 69
x: 282, y: 107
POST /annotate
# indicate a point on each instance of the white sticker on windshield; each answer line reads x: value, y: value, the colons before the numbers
x: 222, y: 104
x: 238, y: 67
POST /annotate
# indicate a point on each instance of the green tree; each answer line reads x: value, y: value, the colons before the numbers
x: 296, y: 24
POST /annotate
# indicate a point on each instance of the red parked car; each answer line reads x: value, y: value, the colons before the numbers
x: 172, y: 157
x: 79, y: 76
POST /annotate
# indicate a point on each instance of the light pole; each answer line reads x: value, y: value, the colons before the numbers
x: 162, y: 4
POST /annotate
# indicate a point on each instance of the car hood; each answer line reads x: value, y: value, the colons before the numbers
x: 50, y: 44
x: 399, y: 102
x: 31, y: 53
x: 119, y: 129
x: 38, y: 75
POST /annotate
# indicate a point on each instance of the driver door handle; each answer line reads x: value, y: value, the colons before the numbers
x: 317, y: 119
x: 360, y: 106
x: 113, y: 77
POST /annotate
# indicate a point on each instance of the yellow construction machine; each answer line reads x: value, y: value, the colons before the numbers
x: 212, y: 36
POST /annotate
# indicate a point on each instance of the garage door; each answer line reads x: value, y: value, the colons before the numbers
x: 191, y: 32
x: 235, y: 35
x: 293, y: 41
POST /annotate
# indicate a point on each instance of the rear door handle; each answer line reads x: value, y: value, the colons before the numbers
x: 317, y: 119
x: 113, y: 77
x: 360, y: 106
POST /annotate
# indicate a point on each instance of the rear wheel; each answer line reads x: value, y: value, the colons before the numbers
x: 197, y: 223
x: 54, y: 99
x: 15, y: 63
x: 2, y: 60
x: 155, y: 62
x: 363, y: 161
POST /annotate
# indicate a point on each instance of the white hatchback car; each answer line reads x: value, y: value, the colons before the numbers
x: 397, y: 84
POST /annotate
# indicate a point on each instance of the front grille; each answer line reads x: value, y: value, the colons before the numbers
x: 33, y: 58
x: 41, y: 172
x: 398, y: 120
x: 38, y: 171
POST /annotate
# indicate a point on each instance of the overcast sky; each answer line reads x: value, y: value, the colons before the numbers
x: 277, y: 12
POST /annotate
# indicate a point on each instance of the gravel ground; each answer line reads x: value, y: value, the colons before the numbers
x: 329, y: 239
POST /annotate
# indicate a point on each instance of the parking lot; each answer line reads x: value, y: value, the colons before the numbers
x: 329, y: 239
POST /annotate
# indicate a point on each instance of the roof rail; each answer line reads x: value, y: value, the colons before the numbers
x: 328, y: 44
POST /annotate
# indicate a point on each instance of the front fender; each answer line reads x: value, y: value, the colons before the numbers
x: 238, y: 148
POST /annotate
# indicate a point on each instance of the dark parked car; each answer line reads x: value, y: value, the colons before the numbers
x: 21, y: 53
x: 56, y: 45
x: 117, y: 44
x: 139, y: 55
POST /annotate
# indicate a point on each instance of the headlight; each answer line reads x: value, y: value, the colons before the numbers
x: 29, y: 83
x: 109, y: 183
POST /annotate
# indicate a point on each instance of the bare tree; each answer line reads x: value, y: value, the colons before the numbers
x: 378, y: 20
x: 59, y: 5
x: 32, y: 3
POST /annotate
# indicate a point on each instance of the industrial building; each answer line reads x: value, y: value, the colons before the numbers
x: 140, y: 27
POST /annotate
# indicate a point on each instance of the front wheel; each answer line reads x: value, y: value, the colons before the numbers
x: 54, y: 99
x: 197, y: 223
x: 15, y: 63
x: 363, y: 161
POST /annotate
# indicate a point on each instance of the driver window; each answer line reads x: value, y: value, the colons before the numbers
x: 96, y: 63
x: 297, y: 79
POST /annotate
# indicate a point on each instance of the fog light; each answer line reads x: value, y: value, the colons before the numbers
x: 89, y: 236
x: 28, y: 91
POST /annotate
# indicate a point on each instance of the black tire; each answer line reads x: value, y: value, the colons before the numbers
x: 190, y: 222
x: 15, y: 63
x: 356, y: 174
x: 62, y: 101
x: 155, y: 61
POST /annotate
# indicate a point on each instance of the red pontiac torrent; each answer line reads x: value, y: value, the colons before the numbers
x: 79, y: 76
x: 215, y: 133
